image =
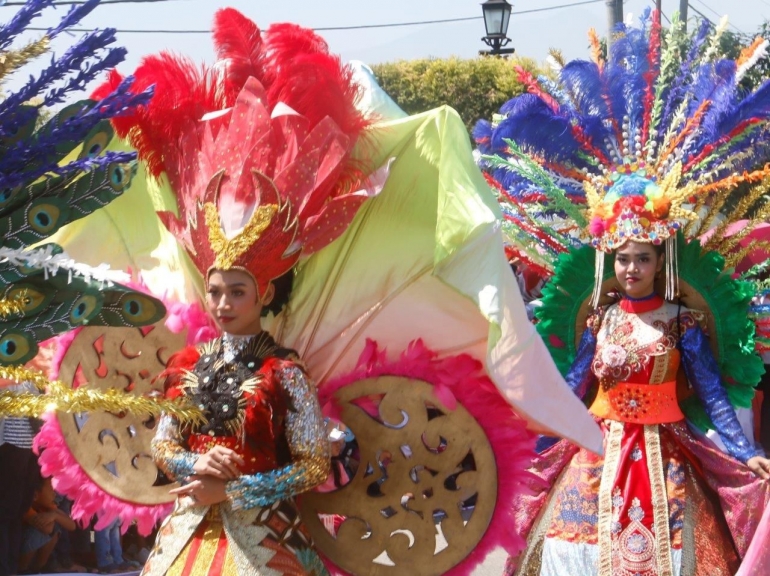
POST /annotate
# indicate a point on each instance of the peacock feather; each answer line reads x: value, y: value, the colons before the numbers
x: 53, y: 172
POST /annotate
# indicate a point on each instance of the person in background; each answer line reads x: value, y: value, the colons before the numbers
x: 43, y: 523
x: 109, y: 550
x: 19, y: 479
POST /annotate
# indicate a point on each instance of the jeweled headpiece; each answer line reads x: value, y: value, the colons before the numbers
x: 257, y: 147
x: 630, y: 204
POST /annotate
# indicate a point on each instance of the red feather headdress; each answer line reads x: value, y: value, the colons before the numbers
x: 256, y: 147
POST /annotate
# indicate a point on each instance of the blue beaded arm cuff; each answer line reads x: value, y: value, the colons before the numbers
x: 702, y: 372
x: 168, y: 450
x: 580, y: 377
x: 308, y: 444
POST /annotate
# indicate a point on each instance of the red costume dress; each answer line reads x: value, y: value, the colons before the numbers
x: 258, y: 402
x: 661, y: 501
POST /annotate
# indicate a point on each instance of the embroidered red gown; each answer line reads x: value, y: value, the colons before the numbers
x: 661, y: 501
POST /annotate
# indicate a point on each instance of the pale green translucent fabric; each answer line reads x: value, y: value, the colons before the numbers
x: 424, y: 259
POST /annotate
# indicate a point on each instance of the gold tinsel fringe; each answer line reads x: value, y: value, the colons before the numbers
x: 12, y: 307
x: 692, y: 123
x: 732, y: 242
x: 717, y: 241
x: 15, y: 59
x: 21, y: 374
x: 61, y: 398
x: 734, y: 258
x: 713, y: 212
x: 743, y: 207
x: 557, y: 55
x: 694, y: 226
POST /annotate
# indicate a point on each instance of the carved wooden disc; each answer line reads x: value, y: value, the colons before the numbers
x: 425, y: 486
x: 114, y: 450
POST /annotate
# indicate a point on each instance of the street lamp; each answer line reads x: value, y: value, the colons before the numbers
x: 497, y: 14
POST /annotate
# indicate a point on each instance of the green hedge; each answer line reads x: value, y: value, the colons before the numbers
x: 476, y: 88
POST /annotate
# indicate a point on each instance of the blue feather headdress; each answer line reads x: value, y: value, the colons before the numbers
x: 658, y: 143
x: 651, y: 141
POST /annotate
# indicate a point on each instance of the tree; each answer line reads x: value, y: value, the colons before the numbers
x: 732, y: 43
x: 476, y: 87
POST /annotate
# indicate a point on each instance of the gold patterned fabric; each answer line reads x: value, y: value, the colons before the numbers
x: 640, y: 525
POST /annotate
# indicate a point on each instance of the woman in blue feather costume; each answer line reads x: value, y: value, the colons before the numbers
x: 629, y: 162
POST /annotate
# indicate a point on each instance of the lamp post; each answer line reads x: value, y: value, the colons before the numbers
x: 497, y: 14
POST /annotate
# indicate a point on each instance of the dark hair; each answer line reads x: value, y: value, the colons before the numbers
x: 282, y: 285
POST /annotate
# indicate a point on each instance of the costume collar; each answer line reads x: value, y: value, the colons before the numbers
x: 258, y: 345
x: 640, y: 305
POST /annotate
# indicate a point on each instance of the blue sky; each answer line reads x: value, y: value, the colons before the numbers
x: 532, y: 34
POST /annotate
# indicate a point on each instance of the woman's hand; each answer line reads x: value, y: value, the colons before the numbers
x: 760, y: 466
x: 203, y: 490
x: 219, y: 462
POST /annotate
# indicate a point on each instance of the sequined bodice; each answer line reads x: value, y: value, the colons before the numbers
x: 235, y: 385
x: 637, y: 362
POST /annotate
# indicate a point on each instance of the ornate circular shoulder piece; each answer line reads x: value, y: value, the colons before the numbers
x: 424, y: 490
x: 114, y: 449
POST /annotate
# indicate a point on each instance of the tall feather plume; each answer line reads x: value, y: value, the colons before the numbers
x: 292, y: 63
x: 273, y: 117
x: 629, y: 75
x: 584, y: 83
x: 650, y: 76
x: 596, y: 48
x: 679, y: 82
x: 304, y: 75
x: 750, y: 56
x: 716, y: 85
x: 533, y: 87
x: 184, y: 93
x: 238, y: 45
x: 646, y: 112
x: 669, y: 63
x: 735, y: 131
x: 556, y: 59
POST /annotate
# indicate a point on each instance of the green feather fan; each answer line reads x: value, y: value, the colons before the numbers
x: 565, y: 299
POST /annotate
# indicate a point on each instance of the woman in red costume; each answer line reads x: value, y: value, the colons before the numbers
x: 648, y: 504
x: 627, y: 161
x: 257, y: 152
x: 264, y: 441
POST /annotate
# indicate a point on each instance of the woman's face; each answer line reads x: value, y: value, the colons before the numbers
x: 233, y: 302
x: 636, y: 265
